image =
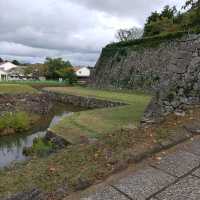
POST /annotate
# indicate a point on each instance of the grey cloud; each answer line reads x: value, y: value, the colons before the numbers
x: 73, y: 29
x: 137, y: 9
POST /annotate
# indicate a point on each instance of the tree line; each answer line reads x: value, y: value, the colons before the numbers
x: 52, y: 69
x: 168, y: 20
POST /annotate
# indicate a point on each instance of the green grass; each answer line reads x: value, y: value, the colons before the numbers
x: 94, y: 123
x: 16, y: 89
x: 90, y: 162
x: 83, y: 162
x: 12, y: 123
x: 41, y: 147
x: 36, y: 83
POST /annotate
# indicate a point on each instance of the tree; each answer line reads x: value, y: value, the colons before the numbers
x: 129, y: 34
x: 37, y: 70
x: 158, y: 23
x: 67, y: 73
x: 58, y: 68
x: 168, y: 12
x: 192, y: 16
x: 1, y: 60
x: 15, y: 62
x: 54, y: 65
x: 194, y: 4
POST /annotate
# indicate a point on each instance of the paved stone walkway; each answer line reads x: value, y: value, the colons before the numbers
x: 175, y: 177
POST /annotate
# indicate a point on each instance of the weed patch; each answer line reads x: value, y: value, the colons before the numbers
x: 14, y: 122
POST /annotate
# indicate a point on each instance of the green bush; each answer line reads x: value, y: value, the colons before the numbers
x: 14, y: 122
x: 148, y: 42
x: 41, y: 147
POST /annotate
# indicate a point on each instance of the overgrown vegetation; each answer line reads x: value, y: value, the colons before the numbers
x: 41, y: 147
x: 14, y: 122
x: 171, y: 20
x: 161, y: 27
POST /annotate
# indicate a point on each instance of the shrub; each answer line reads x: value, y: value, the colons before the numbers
x: 14, y: 122
x: 41, y: 147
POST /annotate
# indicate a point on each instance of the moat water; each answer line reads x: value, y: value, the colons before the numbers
x: 11, y: 147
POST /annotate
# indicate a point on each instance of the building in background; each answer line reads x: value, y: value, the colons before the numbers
x: 3, y: 75
x: 83, y: 74
x: 6, y: 66
x: 9, y: 71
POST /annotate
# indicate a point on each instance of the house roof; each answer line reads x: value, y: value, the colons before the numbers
x: 3, y: 72
x: 77, y: 68
x: 6, y: 66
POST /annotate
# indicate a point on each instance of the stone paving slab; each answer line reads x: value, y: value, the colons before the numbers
x: 178, y: 164
x: 193, y: 127
x: 179, y: 135
x: 194, y: 147
x: 186, y: 189
x: 197, y: 173
x: 144, y: 183
x: 108, y: 193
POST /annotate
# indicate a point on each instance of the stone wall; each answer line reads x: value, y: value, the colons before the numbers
x: 35, y: 103
x: 80, y: 101
x: 181, y: 88
x: 145, y: 68
x: 171, y: 71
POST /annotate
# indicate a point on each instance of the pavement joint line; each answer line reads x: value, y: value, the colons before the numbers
x: 121, y: 192
x: 155, y: 198
x: 194, y: 175
x: 195, y: 154
x: 173, y: 183
x: 187, y: 150
x: 168, y: 173
x: 162, y: 170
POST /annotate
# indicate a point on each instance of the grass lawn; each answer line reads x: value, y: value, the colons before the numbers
x: 85, y: 164
x: 36, y: 83
x: 16, y: 89
x: 94, y: 123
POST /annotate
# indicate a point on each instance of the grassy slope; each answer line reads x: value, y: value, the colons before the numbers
x: 16, y: 89
x: 101, y: 121
x: 88, y: 162
x: 36, y: 83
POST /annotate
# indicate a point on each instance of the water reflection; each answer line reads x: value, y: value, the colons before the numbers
x: 11, y: 147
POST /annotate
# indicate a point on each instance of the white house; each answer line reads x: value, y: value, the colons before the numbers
x: 3, y: 75
x: 5, y: 68
x: 82, y: 72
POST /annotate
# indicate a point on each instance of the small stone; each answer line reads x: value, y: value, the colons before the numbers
x: 193, y: 127
x: 180, y: 113
x: 159, y: 158
x: 82, y: 184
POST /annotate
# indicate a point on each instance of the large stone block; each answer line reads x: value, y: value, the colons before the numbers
x: 108, y: 193
x: 144, y: 183
x: 186, y: 189
x: 178, y: 164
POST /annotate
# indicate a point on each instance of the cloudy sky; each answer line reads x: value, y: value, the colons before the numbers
x: 73, y: 29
